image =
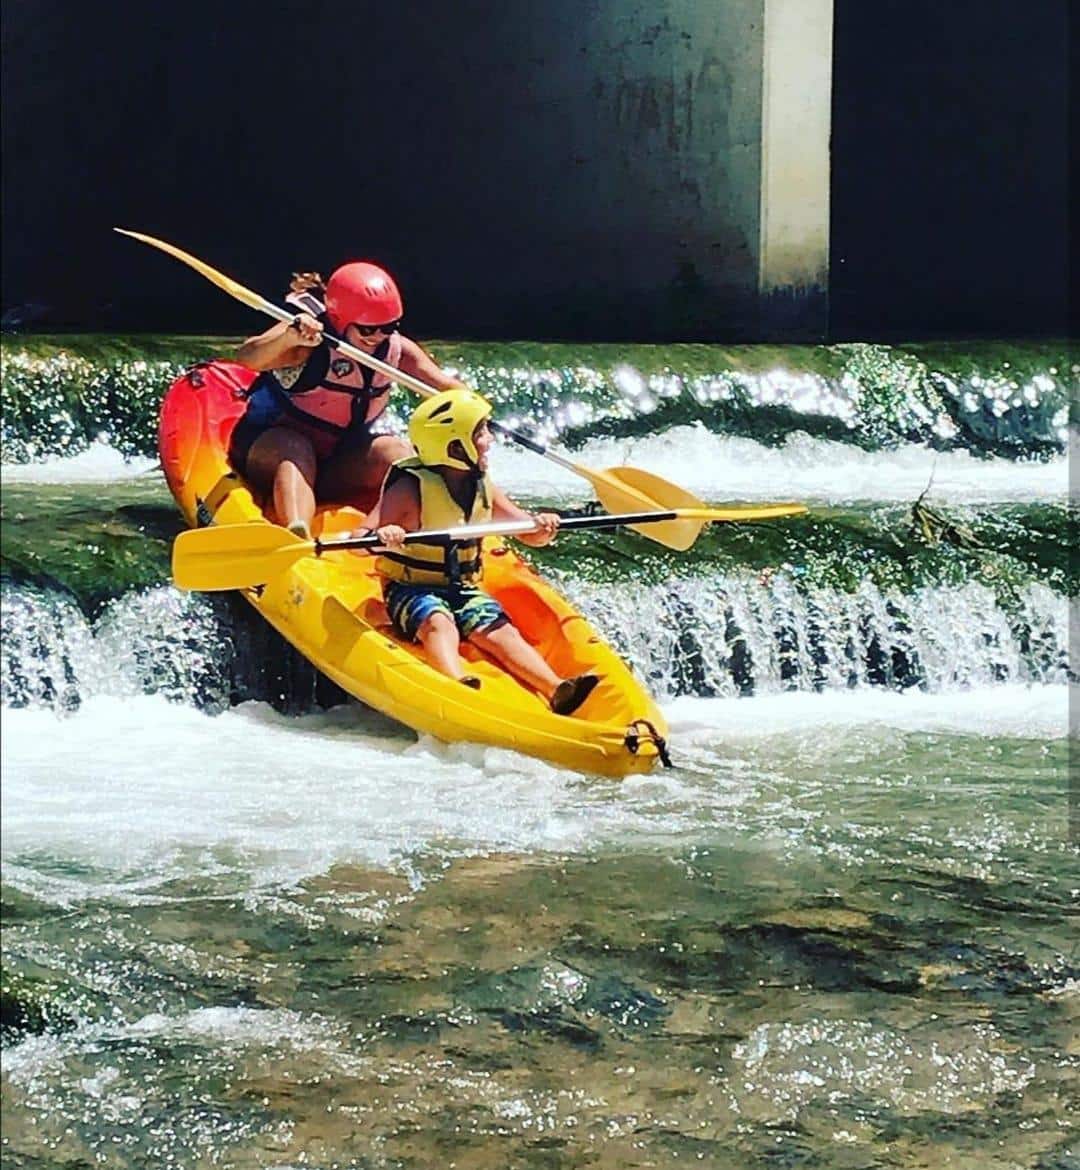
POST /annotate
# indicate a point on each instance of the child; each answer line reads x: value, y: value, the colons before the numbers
x: 433, y: 591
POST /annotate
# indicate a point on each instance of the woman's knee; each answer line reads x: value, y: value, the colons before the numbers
x: 387, y: 449
x: 368, y: 472
x: 277, y: 447
x: 361, y: 471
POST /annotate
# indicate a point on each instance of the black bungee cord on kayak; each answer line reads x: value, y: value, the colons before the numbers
x: 635, y: 736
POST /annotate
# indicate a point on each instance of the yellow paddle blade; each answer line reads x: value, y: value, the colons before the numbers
x: 235, y: 556
x: 244, y: 295
x: 626, y: 489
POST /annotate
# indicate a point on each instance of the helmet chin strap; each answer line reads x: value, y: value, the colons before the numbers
x: 473, y: 469
x: 479, y: 483
x: 471, y: 465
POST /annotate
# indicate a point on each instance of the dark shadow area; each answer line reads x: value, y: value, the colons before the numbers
x: 950, y: 156
x: 446, y: 142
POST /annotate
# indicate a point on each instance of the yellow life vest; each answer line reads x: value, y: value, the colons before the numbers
x: 440, y: 564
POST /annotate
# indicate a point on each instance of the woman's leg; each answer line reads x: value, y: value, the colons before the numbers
x: 282, y: 464
x: 355, y: 473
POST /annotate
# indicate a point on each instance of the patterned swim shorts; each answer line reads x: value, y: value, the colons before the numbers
x: 411, y: 605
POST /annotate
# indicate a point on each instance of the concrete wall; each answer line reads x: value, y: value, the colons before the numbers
x: 595, y: 169
x: 692, y: 172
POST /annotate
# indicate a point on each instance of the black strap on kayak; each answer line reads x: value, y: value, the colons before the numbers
x: 635, y: 734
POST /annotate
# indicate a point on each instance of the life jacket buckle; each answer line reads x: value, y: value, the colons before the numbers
x: 643, y: 729
x: 453, y: 565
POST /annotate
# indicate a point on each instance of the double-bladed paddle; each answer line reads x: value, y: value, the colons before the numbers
x: 619, y: 489
x: 239, y: 556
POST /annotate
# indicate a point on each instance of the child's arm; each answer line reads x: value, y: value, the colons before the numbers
x: 398, y: 511
x: 547, y: 523
x: 399, y: 500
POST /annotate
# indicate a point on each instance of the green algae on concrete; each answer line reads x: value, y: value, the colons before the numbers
x: 61, y: 392
x: 93, y: 542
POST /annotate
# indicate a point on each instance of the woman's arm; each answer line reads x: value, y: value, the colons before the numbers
x: 415, y: 361
x: 283, y: 344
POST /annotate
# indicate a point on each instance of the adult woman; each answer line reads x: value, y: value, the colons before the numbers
x: 307, y: 432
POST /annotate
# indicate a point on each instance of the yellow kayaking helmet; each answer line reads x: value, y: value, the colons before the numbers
x: 444, y: 417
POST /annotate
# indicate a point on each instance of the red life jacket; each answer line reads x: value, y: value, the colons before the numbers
x: 335, y: 390
x: 330, y: 395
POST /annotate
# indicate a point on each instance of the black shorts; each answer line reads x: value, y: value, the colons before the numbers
x: 247, y: 430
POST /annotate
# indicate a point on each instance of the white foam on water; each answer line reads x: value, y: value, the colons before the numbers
x: 99, y: 463
x: 144, y: 790
x: 122, y: 797
x: 229, y: 1028
x: 782, y: 1067
x: 1013, y: 710
x: 722, y: 467
x: 713, y: 466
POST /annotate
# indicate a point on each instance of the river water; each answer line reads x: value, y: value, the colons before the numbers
x: 249, y: 924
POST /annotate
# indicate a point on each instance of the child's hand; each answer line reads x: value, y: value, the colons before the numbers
x: 547, y: 525
x: 391, y: 535
x: 358, y: 533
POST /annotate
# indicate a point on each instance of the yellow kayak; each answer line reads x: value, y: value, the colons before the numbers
x: 330, y: 608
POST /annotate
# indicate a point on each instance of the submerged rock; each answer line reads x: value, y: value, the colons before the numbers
x: 29, y: 1007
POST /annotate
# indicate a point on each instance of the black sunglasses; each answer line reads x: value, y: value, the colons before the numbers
x: 368, y: 330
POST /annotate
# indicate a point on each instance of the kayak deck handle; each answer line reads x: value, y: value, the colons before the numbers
x: 643, y: 729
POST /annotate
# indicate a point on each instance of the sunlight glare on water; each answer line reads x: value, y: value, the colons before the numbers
x: 720, y: 467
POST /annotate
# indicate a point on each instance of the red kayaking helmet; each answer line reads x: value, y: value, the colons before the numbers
x: 362, y: 294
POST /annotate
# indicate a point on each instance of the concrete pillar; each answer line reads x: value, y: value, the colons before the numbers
x: 651, y: 169
x: 674, y: 156
x: 796, y: 117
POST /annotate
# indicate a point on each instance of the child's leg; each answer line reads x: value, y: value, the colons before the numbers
x: 506, y: 645
x: 438, y: 635
x: 484, y: 623
x: 423, y: 615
